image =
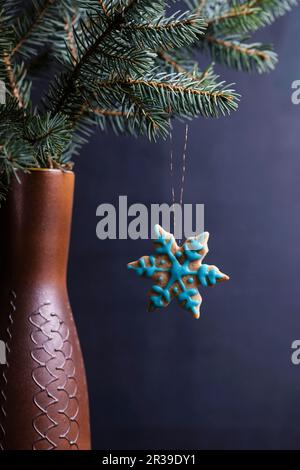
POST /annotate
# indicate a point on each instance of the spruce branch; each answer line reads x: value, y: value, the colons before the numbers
x: 39, y: 22
x: 11, y: 75
x: 200, y: 6
x: 120, y: 64
x: 182, y: 62
x: 104, y: 8
x: 108, y: 112
x: 247, y: 15
x: 241, y: 56
x: 229, y: 21
x: 69, y: 83
x: 274, y: 8
x: 48, y: 136
x: 179, y: 91
x: 184, y: 95
x: 98, y: 44
x: 69, y: 25
x: 171, y: 62
x: 136, y: 117
x: 240, y: 16
x: 25, y: 27
x: 15, y: 153
x: 118, y: 47
x: 12, y: 80
x: 177, y: 31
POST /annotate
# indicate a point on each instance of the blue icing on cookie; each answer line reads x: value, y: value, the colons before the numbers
x: 189, y: 303
x: 143, y: 270
x: 163, y: 293
x: 208, y: 276
x: 195, y: 244
x: 191, y: 254
x: 176, y: 271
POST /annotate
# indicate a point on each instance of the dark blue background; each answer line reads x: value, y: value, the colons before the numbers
x: 164, y: 380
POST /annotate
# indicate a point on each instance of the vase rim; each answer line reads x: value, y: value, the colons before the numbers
x: 52, y: 170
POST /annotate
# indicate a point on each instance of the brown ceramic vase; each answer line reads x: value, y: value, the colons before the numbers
x: 43, y: 392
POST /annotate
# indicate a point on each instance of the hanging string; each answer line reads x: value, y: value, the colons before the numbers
x: 184, y: 155
x: 184, y: 163
x: 171, y: 165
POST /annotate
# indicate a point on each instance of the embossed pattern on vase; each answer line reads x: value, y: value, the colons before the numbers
x: 3, y: 380
x: 43, y: 390
x: 54, y: 375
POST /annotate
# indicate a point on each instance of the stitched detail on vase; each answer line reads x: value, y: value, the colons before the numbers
x: 3, y: 383
x: 54, y: 375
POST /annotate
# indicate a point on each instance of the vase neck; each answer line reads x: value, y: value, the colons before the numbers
x: 36, y: 221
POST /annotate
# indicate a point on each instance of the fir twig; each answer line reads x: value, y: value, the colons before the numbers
x: 12, y: 81
x: 69, y: 26
x: 103, y: 6
x: 242, y: 56
x: 27, y: 28
x: 122, y: 64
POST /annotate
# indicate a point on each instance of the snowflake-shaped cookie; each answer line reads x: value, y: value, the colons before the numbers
x: 178, y: 271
